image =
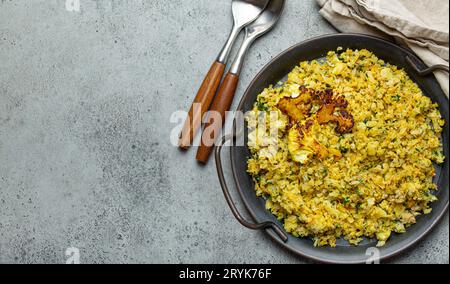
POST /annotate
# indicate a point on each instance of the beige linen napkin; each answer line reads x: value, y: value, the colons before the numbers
x: 422, y: 25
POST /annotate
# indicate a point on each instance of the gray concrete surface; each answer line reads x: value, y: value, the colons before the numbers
x: 85, y: 158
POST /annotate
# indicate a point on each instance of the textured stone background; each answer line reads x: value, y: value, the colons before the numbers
x: 85, y: 158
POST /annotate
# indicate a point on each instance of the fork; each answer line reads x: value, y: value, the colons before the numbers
x: 244, y: 13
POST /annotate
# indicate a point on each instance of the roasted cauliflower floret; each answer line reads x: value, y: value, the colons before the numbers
x: 301, y: 108
x: 298, y: 106
x: 293, y: 111
x: 310, y: 108
x: 303, y: 145
x: 299, y: 153
x: 344, y: 120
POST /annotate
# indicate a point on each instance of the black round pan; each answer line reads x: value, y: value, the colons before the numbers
x: 275, y: 71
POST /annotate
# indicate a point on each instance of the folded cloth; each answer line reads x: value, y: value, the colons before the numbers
x: 422, y: 25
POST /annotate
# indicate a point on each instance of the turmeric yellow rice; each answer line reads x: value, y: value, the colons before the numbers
x: 345, y: 149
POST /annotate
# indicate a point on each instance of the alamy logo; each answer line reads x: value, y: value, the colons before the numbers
x: 73, y: 5
x: 73, y: 255
x: 374, y: 255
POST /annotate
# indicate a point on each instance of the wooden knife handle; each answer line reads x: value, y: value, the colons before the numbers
x: 220, y: 105
x: 201, y: 104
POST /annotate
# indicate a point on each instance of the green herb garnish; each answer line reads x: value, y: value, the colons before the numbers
x: 396, y: 98
x: 346, y: 200
x: 343, y: 150
x: 261, y: 106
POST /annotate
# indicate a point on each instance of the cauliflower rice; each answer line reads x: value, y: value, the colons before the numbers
x: 368, y: 181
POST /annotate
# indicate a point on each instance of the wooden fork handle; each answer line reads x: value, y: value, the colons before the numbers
x: 201, y: 104
x: 220, y: 105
